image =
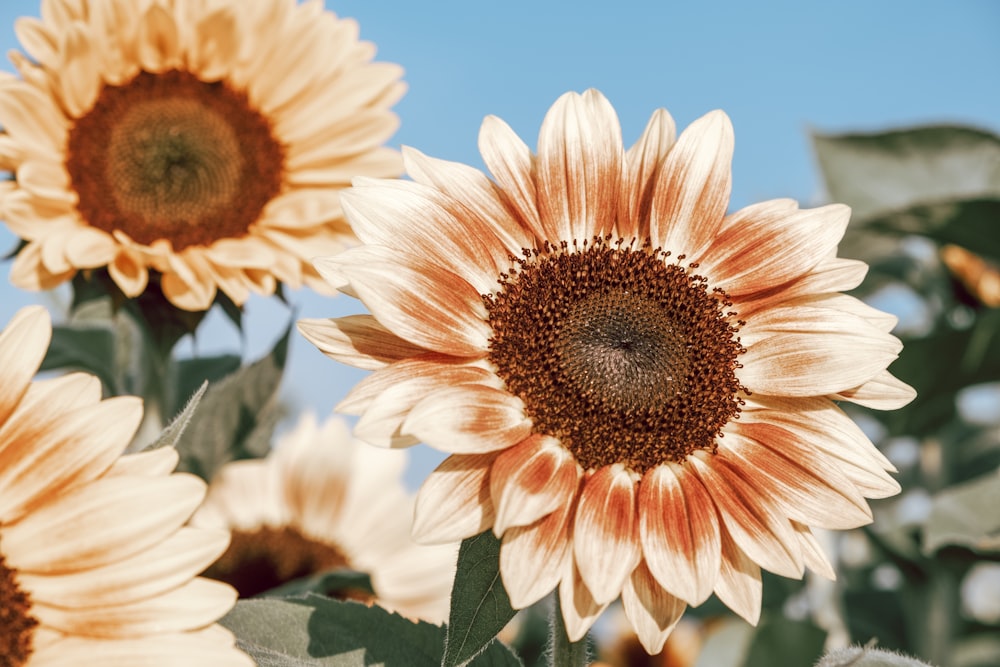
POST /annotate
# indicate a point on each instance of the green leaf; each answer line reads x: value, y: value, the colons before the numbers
x: 886, y: 171
x: 796, y: 642
x: 191, y: 373
x: 480, y: 607
x: 979, y: 650
x: 965, y: 515
x: 334, y: 583
x: 970, y: 223
x: 237, y: 415
x: 85, y: 348
x: 171, y: 435
x: 317, y: 631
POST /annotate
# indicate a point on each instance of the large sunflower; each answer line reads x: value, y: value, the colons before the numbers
x: 95, y: 566
x: 204, y: 141
x: 639, y: 391
x: 323, y: 501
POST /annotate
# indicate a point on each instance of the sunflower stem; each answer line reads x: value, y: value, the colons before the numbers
x: 562, y: 651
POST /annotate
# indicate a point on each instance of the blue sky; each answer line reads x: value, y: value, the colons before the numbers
x: 778, y: 69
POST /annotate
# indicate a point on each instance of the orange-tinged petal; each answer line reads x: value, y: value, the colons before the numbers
x: 98, y: 523
x: 357, y: 340
x: 23, y: 343
x: 834, y: 274
x: 532, y: 479
x: 679, y: 532
x: 533, y: 558
x: 753, y: 520
x: 79, y: 73
x: 578, y: 173
x: 129, y: 273
x: 510, y: 161
x: 882, y: 392
x: 420, y: 302
x: 606, y: 531
x: 454, y: 501
x: 644, y: 160
x: 468, y: 419
x: 152, y: 462
x: 163, y: 650
x: 158, y: 40
x: 651, y: 610
x: 193, y: 605
x: 692, y: 190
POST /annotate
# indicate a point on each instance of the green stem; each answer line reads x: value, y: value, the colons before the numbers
x: 564, y: 653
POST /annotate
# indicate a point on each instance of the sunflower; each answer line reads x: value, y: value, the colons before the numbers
x: 323, y: 501
x: 203, y: 142
x: 638, y: 391
x: 95, y: 564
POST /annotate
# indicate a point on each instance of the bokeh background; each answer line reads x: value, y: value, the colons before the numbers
x: 781, y: 70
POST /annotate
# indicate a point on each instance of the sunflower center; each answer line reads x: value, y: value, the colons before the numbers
x: 621, y: 354
x: 168, y: 156
x: 17, y: 626
x: 259, y: 560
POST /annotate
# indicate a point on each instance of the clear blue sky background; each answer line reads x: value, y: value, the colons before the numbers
x: 779, y: 69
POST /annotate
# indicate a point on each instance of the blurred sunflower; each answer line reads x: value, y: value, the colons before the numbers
x: 204, y: 141
x: 638, y: 390
x: 323, y: 501
x: 95, y: 566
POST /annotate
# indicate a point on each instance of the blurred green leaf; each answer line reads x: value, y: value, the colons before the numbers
x: 965, y: 515
x: 970, y: 223
x: 886, y: 171
x: 797, y: 642
x: 480, y: 607
x: 334, y: 583
x: 237, y: 415
x: 981, y: 650
x: 189, y: 374
x: 171, y: 435
x: 317, y: 631
x: 876, y: 614
x: 85, y: 348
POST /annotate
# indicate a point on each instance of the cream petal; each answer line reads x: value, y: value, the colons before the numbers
x: 150, y: 573
x: 418, y: 301
x: 357, y: 340
x: 193, y: 605
x: 579, y: 609
x: 834, y: 274
x: 739, y: 585
x: 23, y: 343
x: 883, y: 392
x: 36, y: 39
x: 471, y: 187
x: 249, y: 252
x: 152, y: 462
x: 651, y: 610
x: 30, y: 117
x: 431, y: 225
x: 88, y: 248
x: 79, y: 73
x: 533, y: 558
x: 302, y: 208
x: 772, y: 243
x: 28, y: 272
x: 162, y: 650
x: 805, y: 486
x: 606, y: 532
x: 129, y: 273
x: 812, y: 553
x: 454, y: 501
x: 692, y: 191
x: 100, y: 522
x: 510, y: 161
x: 805, y: 351
x: 47, y: 180
x: 158, y: 40
x: 530, y: 480
x: 216, y: 45
x: 188, y: 285
x: 66, y: 447
x: 679, y: 532
x: 468, y: 419
x: 578, y: 173
x: 754, y: 522
x: 644, y: 160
